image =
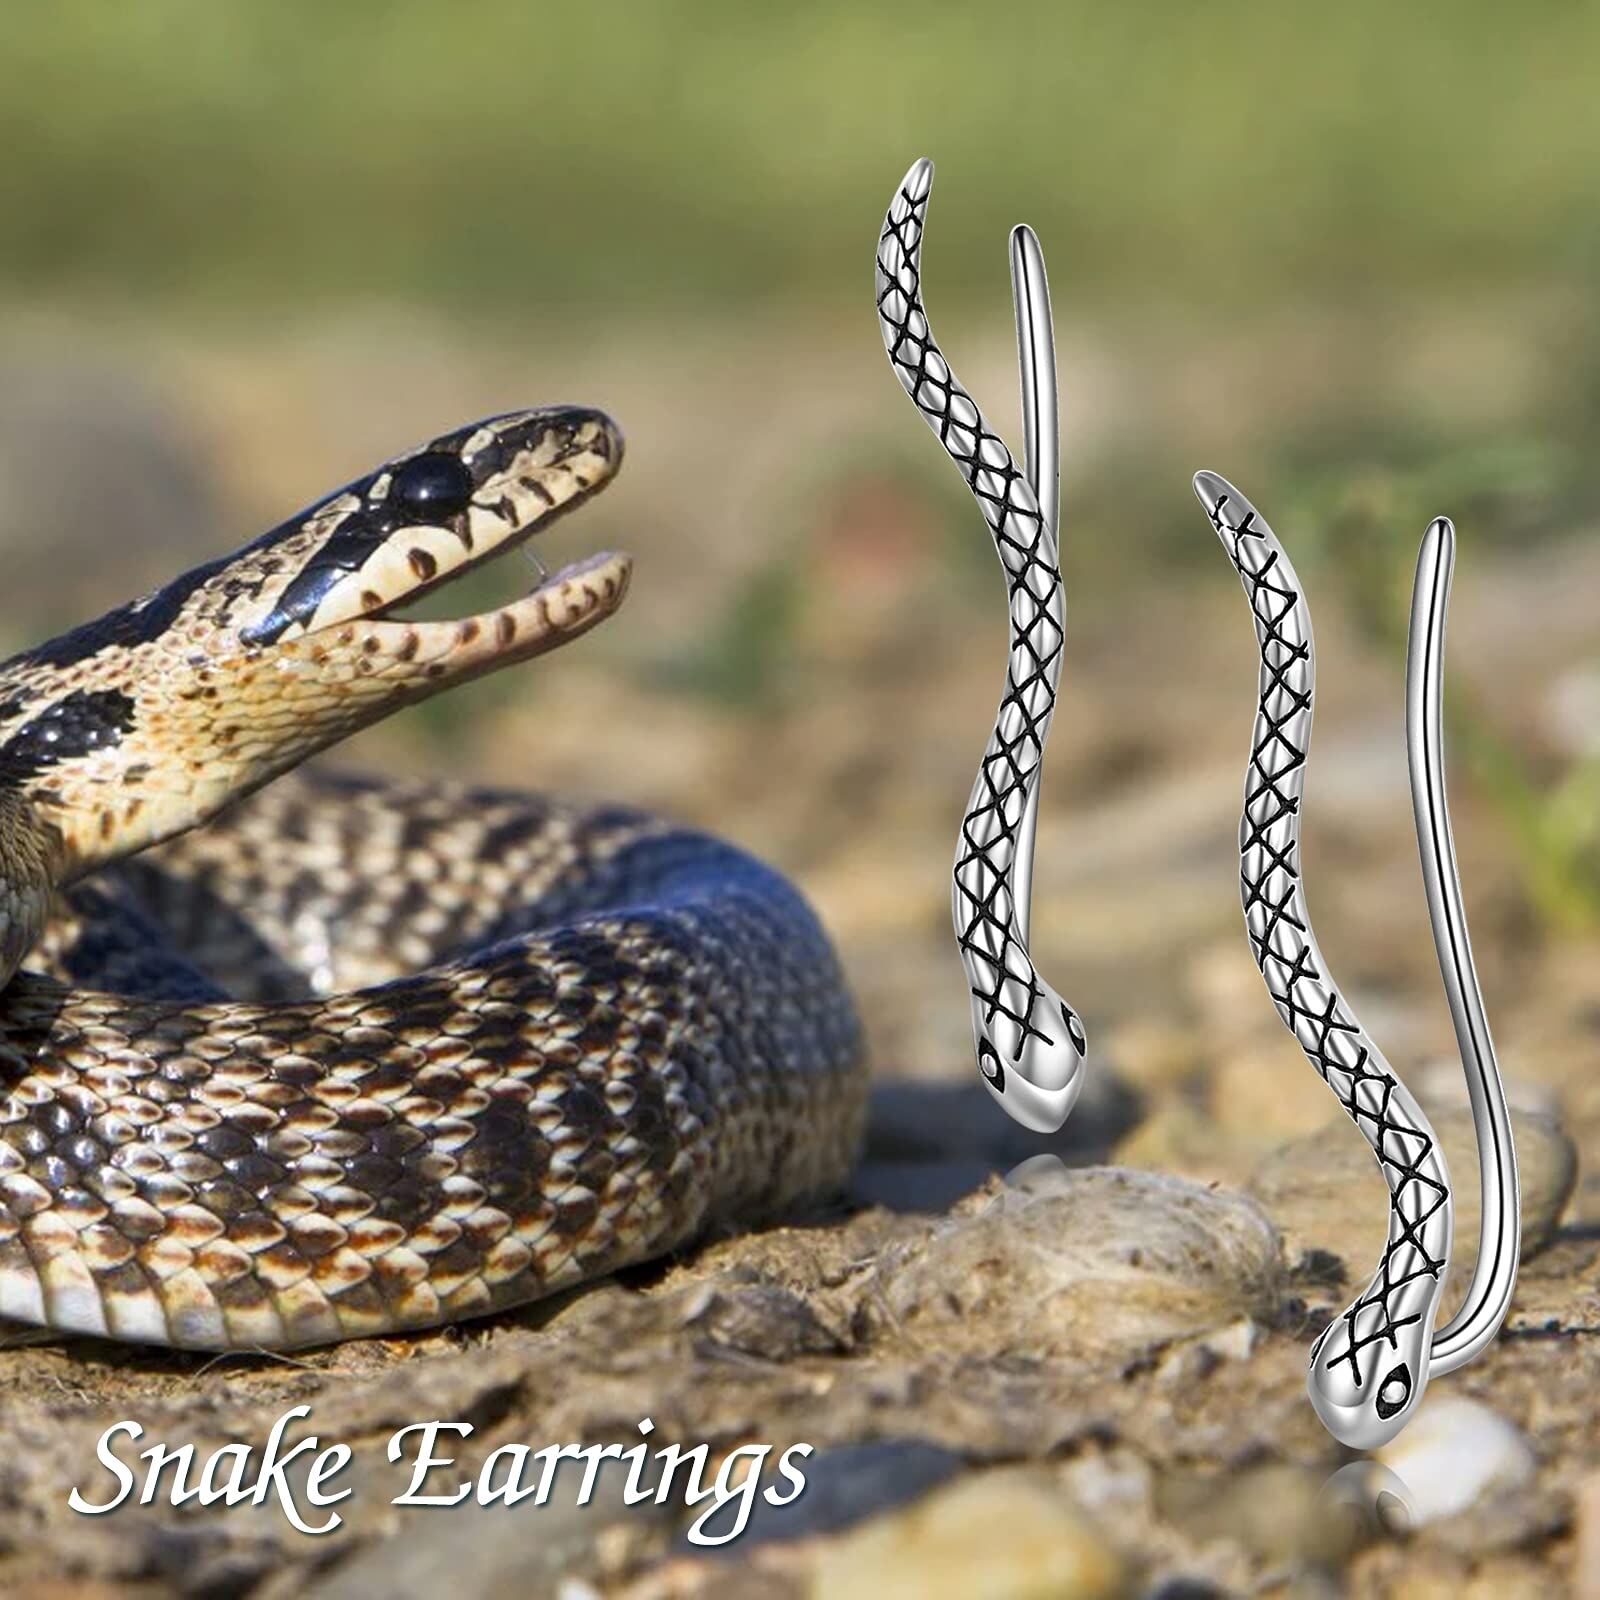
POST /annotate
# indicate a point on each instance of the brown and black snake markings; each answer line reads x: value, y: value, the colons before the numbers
x: 338, y: 1057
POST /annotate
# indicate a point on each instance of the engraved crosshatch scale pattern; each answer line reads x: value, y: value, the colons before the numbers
x: 1015, y: 1004
x: 1393, y: 1318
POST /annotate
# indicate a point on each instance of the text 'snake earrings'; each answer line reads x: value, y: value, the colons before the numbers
x: 1030, y: 1043
x: 1372, y: 1362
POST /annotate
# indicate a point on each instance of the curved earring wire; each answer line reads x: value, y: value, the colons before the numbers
x: 1030, y: 1044
x: 1369, y: 1367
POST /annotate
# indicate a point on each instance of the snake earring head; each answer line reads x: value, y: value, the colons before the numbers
x: 1371, y: 1364
x: 1030, y: 1044
x: 142, y: 724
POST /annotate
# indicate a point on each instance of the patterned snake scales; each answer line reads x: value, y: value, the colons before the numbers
x: 1371, y: 1364
x: 1030, y: 1043
x: 230, y: 1116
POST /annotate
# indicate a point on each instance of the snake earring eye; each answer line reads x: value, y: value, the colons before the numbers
x: 1030, y: 1044
x: 1372, y: 1362
x: 432, y: 485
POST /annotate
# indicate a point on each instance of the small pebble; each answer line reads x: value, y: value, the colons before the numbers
x: 1236, y: 1342
x: 1006, y: 1535
x: 1452, y: 1453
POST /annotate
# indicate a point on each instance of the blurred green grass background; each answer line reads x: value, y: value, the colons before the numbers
x: 1348, y: 255
x: 502, y: 156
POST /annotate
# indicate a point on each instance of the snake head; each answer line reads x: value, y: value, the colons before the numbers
x: 1031, y: 1050
x: 1370, y: 1365
x: 423, y: 519
x: 146, y: 722
x: 1365, y: 1385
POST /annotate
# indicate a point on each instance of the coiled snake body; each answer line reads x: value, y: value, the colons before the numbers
x: 358, y: 1058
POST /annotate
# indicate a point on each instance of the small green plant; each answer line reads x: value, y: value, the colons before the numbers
x: 1365, y: 526
x: 737, y: 660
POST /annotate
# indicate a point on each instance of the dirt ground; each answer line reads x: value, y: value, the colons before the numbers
x: 1027, y: 1367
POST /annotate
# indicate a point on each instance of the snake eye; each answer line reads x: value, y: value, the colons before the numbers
x: 432, y: 485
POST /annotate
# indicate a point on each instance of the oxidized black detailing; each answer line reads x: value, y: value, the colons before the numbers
x: 1395, y: 1392
x: 1012, y: 1006
x: 1395, y: 1313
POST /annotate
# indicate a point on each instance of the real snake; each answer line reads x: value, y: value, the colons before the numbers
x: 358, y: 1058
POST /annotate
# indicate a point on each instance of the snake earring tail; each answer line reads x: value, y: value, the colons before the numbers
x: 1029, y: 1041
x: 1371, y: 1364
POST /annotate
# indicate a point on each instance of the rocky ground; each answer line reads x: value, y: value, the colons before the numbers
x: 1028, y: 1368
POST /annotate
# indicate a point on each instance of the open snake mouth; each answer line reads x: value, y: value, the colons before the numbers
x: 426, y: 519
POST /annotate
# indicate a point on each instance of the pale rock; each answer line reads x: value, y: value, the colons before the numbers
x: 1089, y: 1260
x: 1325, y: 1190
x: 1005, y: 1535
x: 1453, y: 1453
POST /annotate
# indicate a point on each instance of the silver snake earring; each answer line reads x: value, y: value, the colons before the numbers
x: 1029, y: 1041
x: 1370, y: 1365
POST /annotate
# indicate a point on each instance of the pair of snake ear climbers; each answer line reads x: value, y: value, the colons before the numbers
x: 1370, y: 1365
